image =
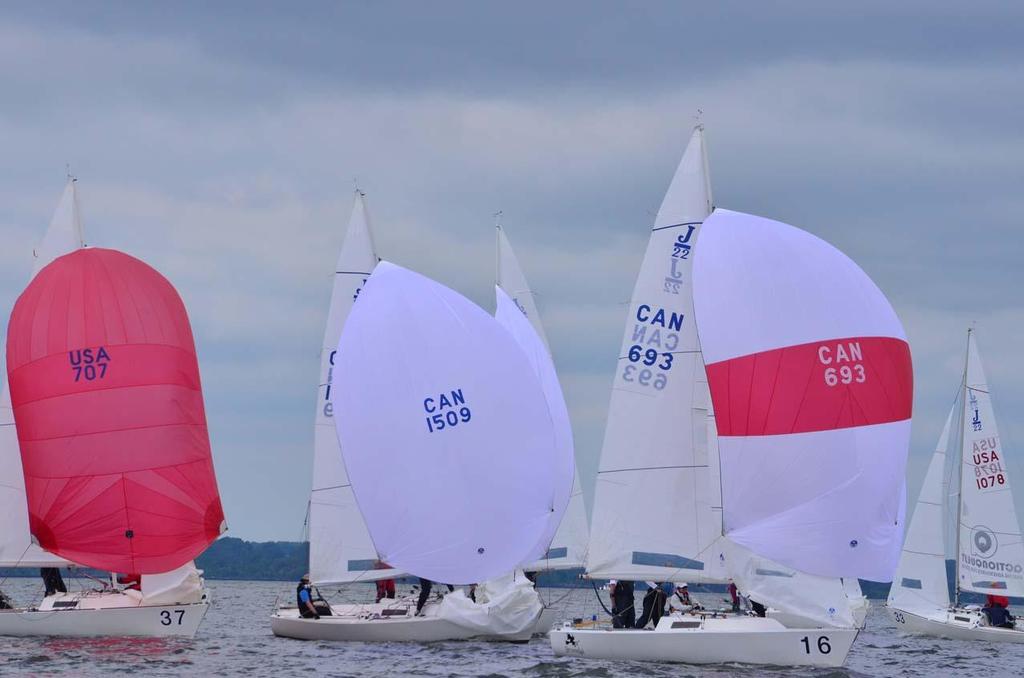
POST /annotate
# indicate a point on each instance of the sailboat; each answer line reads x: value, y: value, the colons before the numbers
x: 342, y: 551
x: 101, y: 364
x: 989, y: 549
x: 565, y: 549
x: 672, y: 482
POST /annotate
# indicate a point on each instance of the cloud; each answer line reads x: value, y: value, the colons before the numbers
x: 222, y: 147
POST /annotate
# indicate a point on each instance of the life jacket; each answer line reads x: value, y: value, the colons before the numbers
x: 298, y: 595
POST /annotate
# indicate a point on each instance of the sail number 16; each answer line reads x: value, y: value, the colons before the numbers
x: 824, y: 647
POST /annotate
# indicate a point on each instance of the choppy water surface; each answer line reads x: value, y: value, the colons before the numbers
x: 235, y: 639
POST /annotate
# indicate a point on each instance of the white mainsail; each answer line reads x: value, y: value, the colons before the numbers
x: 654, y: 517
x: 340, y: 548
x: 920, y: 584
x: 567, y: 547
x: 448, y: 439
x: 64, y: 235
x: 991, y: 551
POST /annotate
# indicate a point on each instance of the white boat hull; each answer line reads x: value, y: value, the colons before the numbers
x: 389, y: 623
x: 691, y: 640
x: 956, y: 625
x: 147, y: 621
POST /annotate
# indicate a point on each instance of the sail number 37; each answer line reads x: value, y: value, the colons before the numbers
x: 824, y: 647
x: 167, y: 617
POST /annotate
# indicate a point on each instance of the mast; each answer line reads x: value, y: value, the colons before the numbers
x: 960, y: 466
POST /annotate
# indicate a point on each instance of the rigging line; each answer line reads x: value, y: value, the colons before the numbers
x: 332, y: 487
x: 651, y: 468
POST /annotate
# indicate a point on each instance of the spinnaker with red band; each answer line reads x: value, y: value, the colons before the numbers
x: 109, y: 410
x: 811, y: 381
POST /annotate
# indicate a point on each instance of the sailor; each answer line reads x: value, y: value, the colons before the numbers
x: 734, y: 596
x: 425, y: 587
x: 623, y: 611
x: 683, y: 594
x: 52, y: 580
x: 654, y: 604
x: 304, y: 599
x: 996, y: 612
x: 385, y: 587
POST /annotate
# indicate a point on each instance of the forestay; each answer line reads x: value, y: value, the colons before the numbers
x: 433, y: 396
x: 563, y: 545
x: 811, y: 379
x: 340, y: 548
x: 16, y: 548
x: 991, y: 558
x: 655, y: 512
x: 921, y: 584
x: 110, y: 417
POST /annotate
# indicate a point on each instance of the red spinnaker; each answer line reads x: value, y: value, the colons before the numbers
x: 109, y: 409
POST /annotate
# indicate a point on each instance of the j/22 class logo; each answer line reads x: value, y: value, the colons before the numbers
x: 89, y: 364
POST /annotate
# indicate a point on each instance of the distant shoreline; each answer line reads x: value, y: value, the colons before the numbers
x: 233, y: 559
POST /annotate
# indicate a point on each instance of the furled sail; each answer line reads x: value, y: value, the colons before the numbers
x: 921, y: 584
x: 991, y: 557
x: 16, y: 548
x: 811, y: 379
x: 445, y: 431
x: 564, y: 544
x: 340, y: 548
x: 109, y: 409
x: 655, y: 513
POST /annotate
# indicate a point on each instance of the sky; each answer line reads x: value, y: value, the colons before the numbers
x: 222, y: 144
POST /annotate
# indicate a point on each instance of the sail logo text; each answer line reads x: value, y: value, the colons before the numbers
x: 843, y: 363
x: 328, y: 405
x: 651, y: 353
x: 446, y: 410
x: 983, y: 566
x: 89, y: 364
x: 988, y: 465
x: 976, y: 420
x: 681, y: 248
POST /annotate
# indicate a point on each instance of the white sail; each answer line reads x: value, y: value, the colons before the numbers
x: 447, y: 437
x: 991, y: 552
x: 812, y: 385
x: 566, y: 547
x: 652, y: 516
x: 64, y: 235
x: 920, y: 584
x: 340, y: 548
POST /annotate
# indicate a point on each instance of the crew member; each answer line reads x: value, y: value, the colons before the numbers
x: 623, y: 610
x: 385, y: 587
x: 425, y: 587
x: 52, y: 580
x: 996, y: 612
x: 654, y: 604
x: 132, y: 582
x: 304, y: 599
x: 734, y: 596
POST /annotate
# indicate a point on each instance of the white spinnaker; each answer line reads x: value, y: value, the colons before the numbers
x: 16, y: 548
x: 340, y: 548
x: 991, y: 558
x: 920, y: 584
x: 812, y: 386
x: 433, y: 396
x: 564, y: 545
x: 651, y: 518
x: 821, y: 600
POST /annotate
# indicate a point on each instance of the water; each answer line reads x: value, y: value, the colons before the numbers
x: 235, y: 639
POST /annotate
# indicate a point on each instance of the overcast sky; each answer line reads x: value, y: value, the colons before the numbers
x: 222, y: 146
